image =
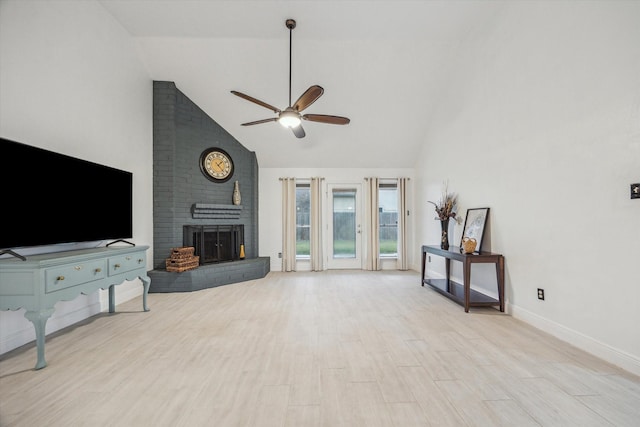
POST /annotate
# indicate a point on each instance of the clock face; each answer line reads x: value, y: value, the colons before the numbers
x: 216, y: 164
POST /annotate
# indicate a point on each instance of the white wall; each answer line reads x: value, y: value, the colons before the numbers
x: 541, y: 123
x: 270, y: 213
x: 71, y: 82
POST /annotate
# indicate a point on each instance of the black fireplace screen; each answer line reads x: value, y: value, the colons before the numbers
x: 214, y: 243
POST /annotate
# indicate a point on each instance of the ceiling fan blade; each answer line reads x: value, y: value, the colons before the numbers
x: 298, y: 131
x: 257, y: 122
x: 323, y: 118
x: 256, y: 101
x: 308, y: 97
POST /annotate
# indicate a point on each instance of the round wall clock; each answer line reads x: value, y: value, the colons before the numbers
x: 216, y: 164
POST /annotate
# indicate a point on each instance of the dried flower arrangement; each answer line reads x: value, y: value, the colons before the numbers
x: 445, y: 208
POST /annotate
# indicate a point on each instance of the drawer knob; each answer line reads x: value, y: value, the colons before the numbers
x: 98, y: 270
x: 128, y: 258
x: 60, y: 278
x: 77, y: 267
x: 116, y: 266
x: 140, y: 261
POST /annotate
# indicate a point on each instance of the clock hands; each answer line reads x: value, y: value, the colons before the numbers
x: 218, y: 165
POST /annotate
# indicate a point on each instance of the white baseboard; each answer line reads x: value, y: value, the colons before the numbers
x: 610, y: 354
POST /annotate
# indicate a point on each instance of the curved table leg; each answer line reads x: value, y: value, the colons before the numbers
x: 112, y: 299
x: 39, y: 320
x: 146, y: 281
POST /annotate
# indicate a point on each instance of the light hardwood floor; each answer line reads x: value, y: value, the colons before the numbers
x: 349, y: 348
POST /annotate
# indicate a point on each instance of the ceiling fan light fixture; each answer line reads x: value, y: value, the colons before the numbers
x: 289, y: 118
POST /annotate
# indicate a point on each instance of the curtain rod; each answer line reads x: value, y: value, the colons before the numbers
x: 366, y: 179
x: 309, y: 179
x: 408, y: 179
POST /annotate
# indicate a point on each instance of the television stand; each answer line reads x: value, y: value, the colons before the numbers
x: 12, y: 253
x: 38, y: 283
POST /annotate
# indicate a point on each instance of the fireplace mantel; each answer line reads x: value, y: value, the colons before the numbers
x: 215, y: 211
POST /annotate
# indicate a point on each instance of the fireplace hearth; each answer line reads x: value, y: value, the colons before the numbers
x: 214, y: 243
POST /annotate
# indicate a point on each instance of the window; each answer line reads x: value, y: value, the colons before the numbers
x: 344, y: 223
x: 303, y: 219
x: 388, y: 212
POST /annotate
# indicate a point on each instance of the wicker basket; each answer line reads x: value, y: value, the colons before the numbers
x: 180, y: 265
x: 182, y: 252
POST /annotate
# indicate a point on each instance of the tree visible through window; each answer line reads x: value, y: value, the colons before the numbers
x: 388, y: 211
x: 303, y: 220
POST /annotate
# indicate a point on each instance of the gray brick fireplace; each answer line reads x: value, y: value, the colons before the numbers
x: 183, y: 197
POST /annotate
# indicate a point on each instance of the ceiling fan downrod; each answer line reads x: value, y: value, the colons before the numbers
x: 291, y: 24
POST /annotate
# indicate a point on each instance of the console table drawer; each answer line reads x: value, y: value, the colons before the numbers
x: 124, y: 263
x: 73, y: 274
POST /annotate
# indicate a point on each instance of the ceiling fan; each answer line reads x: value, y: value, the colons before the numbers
x: 291, y: 116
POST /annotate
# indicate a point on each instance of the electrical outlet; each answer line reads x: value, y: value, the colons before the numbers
x: 541, y: 294
x: 635, y: 191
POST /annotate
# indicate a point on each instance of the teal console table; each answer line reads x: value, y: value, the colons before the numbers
x: 38, y: 283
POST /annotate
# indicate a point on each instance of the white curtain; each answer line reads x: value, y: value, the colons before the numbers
x: 315, y: 236
x: 288, y: 224
x: 372, y: 226
x: 403, y: 213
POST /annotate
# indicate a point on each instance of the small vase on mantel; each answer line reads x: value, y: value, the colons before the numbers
x: 236, y: 194
x: 444, y: 237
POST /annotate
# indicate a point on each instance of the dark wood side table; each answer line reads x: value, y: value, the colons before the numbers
x: 462, y: 293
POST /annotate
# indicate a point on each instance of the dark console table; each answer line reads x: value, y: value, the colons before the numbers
x: 462, y: 293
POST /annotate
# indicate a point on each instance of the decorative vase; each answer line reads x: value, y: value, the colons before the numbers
x: 444, y: 238
x: 469, y: 245
x: 236, y: 194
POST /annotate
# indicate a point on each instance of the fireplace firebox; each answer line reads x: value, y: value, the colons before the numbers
x: 214, y: 243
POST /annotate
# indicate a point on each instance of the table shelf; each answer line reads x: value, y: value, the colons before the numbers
x: 455, y: 292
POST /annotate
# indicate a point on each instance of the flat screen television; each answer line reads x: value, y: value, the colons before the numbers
x: 49, y: 198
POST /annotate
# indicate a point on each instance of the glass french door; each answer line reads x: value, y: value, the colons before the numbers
x: 344, y: 227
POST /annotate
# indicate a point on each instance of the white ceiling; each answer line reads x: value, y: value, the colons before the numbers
x: 383, y: 64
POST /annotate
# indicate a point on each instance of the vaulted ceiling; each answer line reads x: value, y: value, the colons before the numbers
x: 383, y: 64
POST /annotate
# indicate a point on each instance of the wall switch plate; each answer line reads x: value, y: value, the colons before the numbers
x: 279, y: 254
x: 541, y: 294
x: 635, y: 191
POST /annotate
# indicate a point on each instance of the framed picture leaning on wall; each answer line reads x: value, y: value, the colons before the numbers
x: 474, y: 224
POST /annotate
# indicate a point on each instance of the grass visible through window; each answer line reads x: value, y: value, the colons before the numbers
x: 345, y: 247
